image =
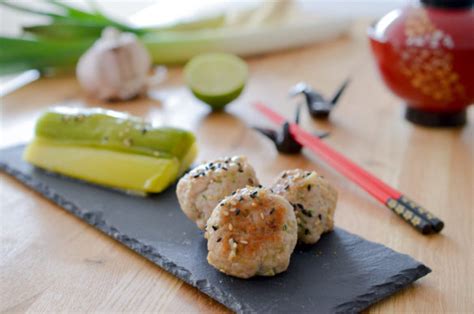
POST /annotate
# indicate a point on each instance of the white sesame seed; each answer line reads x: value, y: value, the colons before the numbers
x: 232, y: 255
x: 243, y: 242
x: 262, y: 216
x: 230, y: 227
x: 233, y: 209
x: 254, y: 204
x: 226, y: 213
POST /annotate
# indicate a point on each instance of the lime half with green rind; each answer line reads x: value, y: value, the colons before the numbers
x: 216, y: 78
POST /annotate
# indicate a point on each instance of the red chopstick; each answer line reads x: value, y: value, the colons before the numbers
x: 385, y: 193
x: 354, y: 174
x: 411, y: 212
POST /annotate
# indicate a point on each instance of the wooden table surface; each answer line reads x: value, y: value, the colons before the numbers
x: 52, y: 261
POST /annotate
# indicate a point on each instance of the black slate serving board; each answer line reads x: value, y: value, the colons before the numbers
x: 341, y: 273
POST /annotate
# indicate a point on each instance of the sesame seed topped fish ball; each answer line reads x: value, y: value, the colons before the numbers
x: 314, y: 201
x: 251, y: 232
x: 202, y: 188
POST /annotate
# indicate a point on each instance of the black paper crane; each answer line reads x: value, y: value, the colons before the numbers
x: 283, y: 139
x: 318, y: 106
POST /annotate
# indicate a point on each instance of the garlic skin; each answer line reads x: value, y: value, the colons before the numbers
x: 116, y: 67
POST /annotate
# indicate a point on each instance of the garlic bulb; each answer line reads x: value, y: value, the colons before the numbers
x: 115, y: 68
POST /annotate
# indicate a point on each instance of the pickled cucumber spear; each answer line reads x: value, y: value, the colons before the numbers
x: 110, y: 148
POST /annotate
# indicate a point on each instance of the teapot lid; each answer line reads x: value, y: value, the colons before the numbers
x: 449, y: 4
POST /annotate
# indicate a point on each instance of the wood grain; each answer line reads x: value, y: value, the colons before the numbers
x: 50, y: 261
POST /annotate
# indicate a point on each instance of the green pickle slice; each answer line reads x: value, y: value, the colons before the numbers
x: 110, y: 148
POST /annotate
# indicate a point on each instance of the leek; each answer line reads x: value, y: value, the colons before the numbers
x: 59, y: 44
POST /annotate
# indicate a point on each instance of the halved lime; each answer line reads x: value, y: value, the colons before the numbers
x: 216, y: 78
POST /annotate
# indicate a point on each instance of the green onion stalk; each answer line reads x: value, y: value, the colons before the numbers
x: 57, y: 45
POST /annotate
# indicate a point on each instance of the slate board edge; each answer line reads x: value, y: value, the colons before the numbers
x: 384, y: 290
x: 95, y: 219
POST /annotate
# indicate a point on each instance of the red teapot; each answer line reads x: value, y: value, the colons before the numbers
x: 425, y: 55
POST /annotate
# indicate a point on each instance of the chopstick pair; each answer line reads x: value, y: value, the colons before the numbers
x: 414, y: 214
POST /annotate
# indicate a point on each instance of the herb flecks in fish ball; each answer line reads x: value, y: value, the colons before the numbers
x: 212, y: 180
x: 314, y: 201
x: 254, y: 234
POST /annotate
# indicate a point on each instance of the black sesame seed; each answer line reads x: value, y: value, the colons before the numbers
x: 284, y: 175
x: 260, y: 186
x: 309, y: 187
x: 240, y: 170
x: 144, y: 130
x: 306, y: 231
x: 300, y: 206
x: 287, y: 187
x: 222, y: 204
x: 219, y: 240
x: 197, y: 175
x: 224, y: 168
x: 272, y: 211
x: 320, y: 217
x: 241, y: 198
x: 307, y: 213
x: 237, y: 212
x: 215, y: 228
x: 253, y: 194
